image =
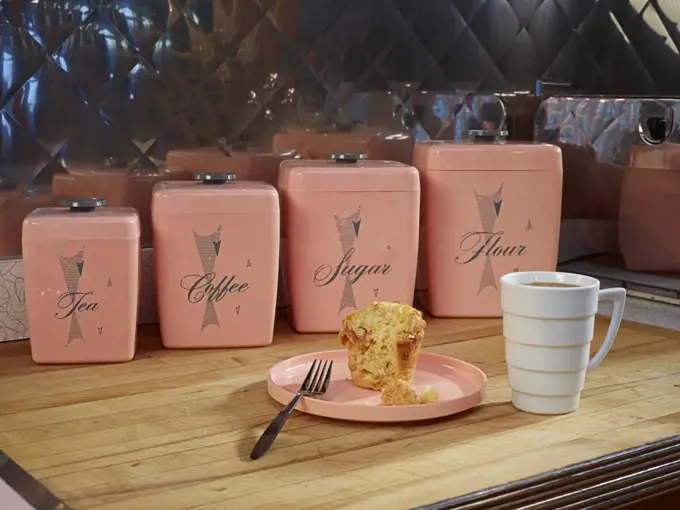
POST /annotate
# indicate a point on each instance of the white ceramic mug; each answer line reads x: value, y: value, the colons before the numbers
x: 548, y: 330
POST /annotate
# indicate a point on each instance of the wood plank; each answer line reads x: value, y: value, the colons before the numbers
x: 173, y: 429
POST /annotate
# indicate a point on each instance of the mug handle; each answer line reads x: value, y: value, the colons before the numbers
x: 618, y: 297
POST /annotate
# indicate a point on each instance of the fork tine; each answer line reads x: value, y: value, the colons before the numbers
x: 313, y: 374
x: 317, y: 376
x: 327, y: 378
x: 322, y: 376
x: 308, y: 377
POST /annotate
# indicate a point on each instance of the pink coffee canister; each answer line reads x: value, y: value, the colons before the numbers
x: 216, y: 248
x: 488, y: 209
x: 81, y: 271
x: 350, y: 229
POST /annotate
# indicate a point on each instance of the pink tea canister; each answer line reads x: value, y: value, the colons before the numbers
x: 216, y: 247
x: 488, y: 209
x: 81, y: 272
x: 351, y: 236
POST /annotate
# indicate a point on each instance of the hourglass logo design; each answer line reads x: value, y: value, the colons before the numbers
x: 348, y: 232
x: 72, y: 270
x: 489, y: 207
x: 208, y: 247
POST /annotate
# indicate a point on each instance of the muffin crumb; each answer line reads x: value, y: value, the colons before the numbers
x: 401, y: 393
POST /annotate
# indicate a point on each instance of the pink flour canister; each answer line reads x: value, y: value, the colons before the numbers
x: 351, y: 236
x: 81, y: 271
x: 216, y: 247
x: 488, y: 209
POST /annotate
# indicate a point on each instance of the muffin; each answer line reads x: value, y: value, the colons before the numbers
x: 383, y: 342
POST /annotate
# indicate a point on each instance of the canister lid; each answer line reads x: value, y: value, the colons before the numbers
x: 347, y: 174
x: 224, y: 196
x: 665, y: 156
x: 82, y: 204
x: 82, y: 219
x: 475, y: 156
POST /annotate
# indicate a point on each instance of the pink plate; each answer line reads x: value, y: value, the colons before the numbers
x: 460, y: 385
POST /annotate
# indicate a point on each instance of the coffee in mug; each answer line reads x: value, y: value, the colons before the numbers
x: 548, y: 324
x: 551, y: 284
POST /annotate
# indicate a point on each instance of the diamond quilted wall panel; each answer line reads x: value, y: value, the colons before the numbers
x: 124, y: 81
x: 129, y: 79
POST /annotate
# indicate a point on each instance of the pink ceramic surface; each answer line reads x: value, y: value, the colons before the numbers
x: 461, y: 386
x: 292, y: 139
x: 247, y: 165
x: 372, y: 141
x: 81, y: 273
x: 488, y: 210
x: 15, y: 203
x: 216, y: 253
x: 351, y: 238
x: 120, y: 187
x: 649, y: 207
x: 11, y: 500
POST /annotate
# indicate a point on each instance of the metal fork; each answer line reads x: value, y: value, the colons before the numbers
x: 316, y: 383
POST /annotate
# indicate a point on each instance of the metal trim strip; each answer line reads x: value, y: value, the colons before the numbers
x: 609, y: 481
x: 30, y: 489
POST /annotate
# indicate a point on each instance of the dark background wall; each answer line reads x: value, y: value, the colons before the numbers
x: 129, y: 79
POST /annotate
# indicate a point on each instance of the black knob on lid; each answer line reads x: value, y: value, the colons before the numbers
x: 82, y: 204
x: 214, y: 178
x: 657, y: 127
x: 347, y: 157
x: 485, y: 135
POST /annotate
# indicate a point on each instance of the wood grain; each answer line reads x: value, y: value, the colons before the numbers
x: 173, y: 429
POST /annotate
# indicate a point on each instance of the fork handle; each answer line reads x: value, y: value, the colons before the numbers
x: 269, y: 435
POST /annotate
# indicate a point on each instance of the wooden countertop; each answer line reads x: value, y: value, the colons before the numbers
x: 173, y: 429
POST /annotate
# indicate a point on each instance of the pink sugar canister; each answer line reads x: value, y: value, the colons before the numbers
x: 81, y: 275
x: 216, y: 248
x: 351, y: 231
x: 489, y: 208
